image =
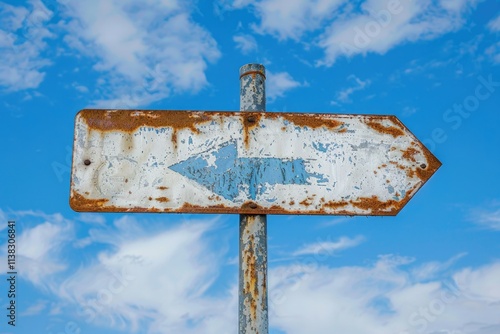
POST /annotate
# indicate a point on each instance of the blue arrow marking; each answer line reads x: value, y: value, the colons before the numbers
x: 230, y: 175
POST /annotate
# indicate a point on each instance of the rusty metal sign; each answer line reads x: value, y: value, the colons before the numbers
x: 245, y: 162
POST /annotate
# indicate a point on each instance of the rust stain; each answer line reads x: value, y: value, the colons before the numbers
x: 306, y: 202
x: 431, y: 167
x: 372, y: 206
x: 311, y: 120
x: 81, y: 203
x: 250, y: 205
x: 410, y: 173
x: 375, y: 205
x: 335, y: 205
x: 219, y: 208
x: 253, y: 74
x: 250, y: 272
x: 264, y: 293
x: 391, y: 130
x: 250, y: 121
x: 409, y: 154
x: 130, y: 120
x: 162, y: 199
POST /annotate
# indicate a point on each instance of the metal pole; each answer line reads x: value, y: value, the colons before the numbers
x: 253, y: 315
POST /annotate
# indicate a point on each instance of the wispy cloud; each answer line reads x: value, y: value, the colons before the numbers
x: 431, y: 270
x: 329, y: 247
x: 3, y: 220
x: 408, y: 111
x: 36, y: 308
x: 23, y: 35
x: 91, y: 218
x: 488, y: 218
x: 344, y: 95
x: 493, y: 51
x: 245, y: 43
x: 277, y: 84
x: 144, y: 51
x: 494, y: 25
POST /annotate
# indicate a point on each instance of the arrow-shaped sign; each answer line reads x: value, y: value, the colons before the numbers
x: 230, y: 175
x: 245, y: 162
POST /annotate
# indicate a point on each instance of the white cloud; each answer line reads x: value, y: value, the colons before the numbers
x: 35, y: 309
x: 145, y: 51
x: 382, y: 298
x: 344, y: 95
x: 494, y: 25
x: 277, y: 84
x: 384, y: 24
x: 3, y: 220
x: 457, y: 5
x: 245, y: 43
x: 23, y: 33
x: 348, y: 29
x: 158, y: 279
x: 92, y: 218
x: 329, y: 247
x: 480, y: 283
x: 39, y: 248
x: 431, y: 270
x: 292, y: 18
x: 408, y: 111
x: 80, y: 88
x: 494, y: 52
x: 488, y: 218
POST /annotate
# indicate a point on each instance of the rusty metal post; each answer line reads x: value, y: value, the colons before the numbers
x: 253, y: 311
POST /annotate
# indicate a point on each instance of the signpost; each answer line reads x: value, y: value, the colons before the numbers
x: 245, y: 162
x: 248, y: 162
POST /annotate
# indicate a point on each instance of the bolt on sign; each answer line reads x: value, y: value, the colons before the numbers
x: 245, y: 162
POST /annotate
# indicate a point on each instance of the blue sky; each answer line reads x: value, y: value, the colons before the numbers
x: 432, y: 269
